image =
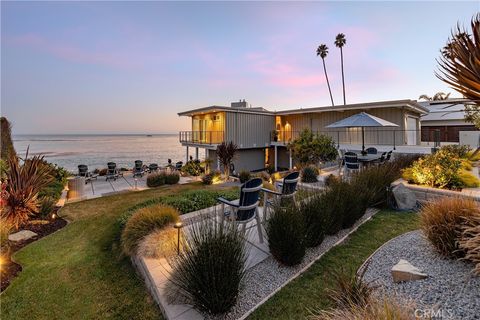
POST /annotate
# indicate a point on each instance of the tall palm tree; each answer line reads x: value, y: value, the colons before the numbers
x: 322, y: 51
x: 340, y: 41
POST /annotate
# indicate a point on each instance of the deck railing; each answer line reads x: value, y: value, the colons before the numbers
x: 201, y: 137
x: 373, y: 136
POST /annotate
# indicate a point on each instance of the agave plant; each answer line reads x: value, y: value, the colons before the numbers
x: 460, y: 67
x: 21, y: 187
x: 226, y: 151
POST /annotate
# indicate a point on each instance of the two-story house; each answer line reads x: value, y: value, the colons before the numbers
x: 262, y: 136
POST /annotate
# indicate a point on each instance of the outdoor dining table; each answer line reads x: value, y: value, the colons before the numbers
x: 368, y: 158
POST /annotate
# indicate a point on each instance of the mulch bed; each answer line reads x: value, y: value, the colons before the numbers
x: 42, y: 228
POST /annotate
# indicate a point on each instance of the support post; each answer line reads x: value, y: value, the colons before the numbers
x: 218, y: 163
x: 196, y: 153
x: 393, y: 139
x: 291, y: 161
x: 186, y: 157
x: 276, y: 157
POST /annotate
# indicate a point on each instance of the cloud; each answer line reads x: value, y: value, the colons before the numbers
x: 73, y: 53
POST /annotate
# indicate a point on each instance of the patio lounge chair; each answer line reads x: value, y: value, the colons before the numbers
x: 152, y: 167
x: 372, y: 150
x: 288, y: 190
x: 351, y: 163
x: 138, y: 169
x: 83, y: 172
x: 245, y: 209
x: 179, y: 165
x: 112, y: 172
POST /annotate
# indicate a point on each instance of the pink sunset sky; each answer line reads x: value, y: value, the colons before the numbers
x: 129, y: 67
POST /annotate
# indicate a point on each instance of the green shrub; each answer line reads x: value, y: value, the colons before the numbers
x: 46, y: 206
x: 156, y: 179
x: 286, y: 236
x: 198, y: 199
x: 145, y: 221
x: 441, y: 222
x: 172, y: 178
x: 350, y: 290
x: 244, y: 176
x: 459, y: 151
x: 309, y: 174
x: 210, y: 269
x: 315, y: 220
x: 468, y: 179
x: 310, y: 148
x: 211, y: 177
x: 440, y: 169
x: 124, y: 217
x: 193, y: 168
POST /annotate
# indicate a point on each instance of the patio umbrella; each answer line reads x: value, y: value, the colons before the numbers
x: 362, y: 120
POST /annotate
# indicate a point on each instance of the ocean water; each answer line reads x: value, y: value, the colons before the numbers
x: 95, y: 151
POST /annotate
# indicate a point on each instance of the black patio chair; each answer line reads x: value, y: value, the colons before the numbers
x: 112, y: 171
x: 245, y: 209
x: 83, y: 172
x: 152, y: 167
x: 372, y: 150
x: 288, y: 190
x: 389, y: 156
x: 179, y: 165
x: 352, y: 164
x: 138, y: 170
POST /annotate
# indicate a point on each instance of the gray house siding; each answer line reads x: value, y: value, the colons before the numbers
x: 246, y: 159
x: 317, y: 122
x: 249, y: 130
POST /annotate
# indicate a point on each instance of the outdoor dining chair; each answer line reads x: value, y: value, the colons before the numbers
x: 288, y: 190
x: 382, y: 159
x: 389, y: 156
x: 138, y: 169
x: 245, y: 209
x: 351, y: 163
x: 112, y: 172
x: 371, y: 150
x: 83, y: 172
x: 152, y: 167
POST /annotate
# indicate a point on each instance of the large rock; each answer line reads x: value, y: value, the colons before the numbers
x: 405, y: 271
x: 405, y: 198
x: 21, y: 235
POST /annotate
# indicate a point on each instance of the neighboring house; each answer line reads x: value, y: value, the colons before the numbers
x: 262, y: 136
x: 447, y: 117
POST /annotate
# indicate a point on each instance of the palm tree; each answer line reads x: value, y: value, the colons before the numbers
x: 322, y: 51
x: 437, y: 97
x: 340, y: 41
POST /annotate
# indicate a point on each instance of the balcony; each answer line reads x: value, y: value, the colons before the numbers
x: 353, y: 136
x: 201, y: 137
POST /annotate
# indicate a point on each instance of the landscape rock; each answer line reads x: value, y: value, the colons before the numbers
x: 405, y: 198
x: 22, y: 235
x: 405, y: 271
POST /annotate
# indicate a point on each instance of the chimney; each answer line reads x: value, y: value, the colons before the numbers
x: 240, y: 104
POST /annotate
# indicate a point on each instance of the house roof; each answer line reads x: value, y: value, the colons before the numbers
x: 224, y: 108
x: 408, y: 104
x: 451, y: 109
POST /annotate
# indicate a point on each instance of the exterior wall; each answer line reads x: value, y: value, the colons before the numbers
x: 246, y: 159
x: 249, y: 130
x: 448, y: 133
x: 317, y: 122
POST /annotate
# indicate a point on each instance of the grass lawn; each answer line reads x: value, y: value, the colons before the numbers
x: 78, y: 272
x: 309, y: 291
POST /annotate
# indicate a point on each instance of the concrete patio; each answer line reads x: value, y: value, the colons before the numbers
x: 100, y: 187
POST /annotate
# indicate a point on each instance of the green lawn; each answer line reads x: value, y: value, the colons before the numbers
x: 309, y: 291
x: 78, y: 272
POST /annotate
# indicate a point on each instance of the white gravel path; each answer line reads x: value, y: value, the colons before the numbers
x: 450, y: 287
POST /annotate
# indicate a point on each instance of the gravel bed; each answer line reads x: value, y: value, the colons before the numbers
x: 451, y: 287
x: 267, y: 276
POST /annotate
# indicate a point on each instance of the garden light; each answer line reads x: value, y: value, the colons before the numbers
x: 178, y: 226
